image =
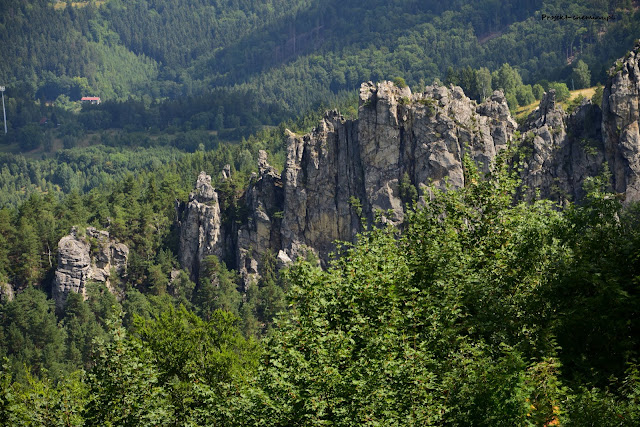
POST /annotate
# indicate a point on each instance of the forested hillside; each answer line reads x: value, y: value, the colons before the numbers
x: 483, y: 311
x: 292, y: 54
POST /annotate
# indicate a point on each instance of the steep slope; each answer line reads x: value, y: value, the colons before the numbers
x: 291, y: 53
x: 561, y: 150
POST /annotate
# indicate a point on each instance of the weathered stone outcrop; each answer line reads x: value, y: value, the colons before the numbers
x: 621, y: 133
x: 200, y: 226
x: 345, y: 171
x: 323, y: 171
x: 566, y: 149
x: 422, y: 137
x: 560, y: 150
x: 261, y: 233
x: 425, y: 136
x: 6, y: 292
x: 348, y: 171
x: 82, y: 258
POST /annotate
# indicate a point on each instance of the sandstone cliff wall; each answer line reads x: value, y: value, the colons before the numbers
x: 346, y: 169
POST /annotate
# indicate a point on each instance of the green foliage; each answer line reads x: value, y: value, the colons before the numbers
x: 408, y: 191
x: 483, y: 82
x: 538, y: 91
x: 199, y: 362
x: 524, y: 95
x: 269, y: 299
x: 596, y: 99
x: 217, y: 289
x: 40, y: 402
x: 512, y: 101
x: 581, y: 76
x: 31, y: 335
x: 399, y: 82
x: 304, y: 54
x: 597, y: 287
x: 394, y: 325
x: 575, y: 103
x: 75, y: 169
x: 123, y: 387
x: 506, y: 78
x: 457, y: 321
x: 81, y: 328
x: 482, y: 311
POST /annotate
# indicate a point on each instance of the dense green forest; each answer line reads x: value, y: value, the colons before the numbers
x: 482, y: 310
x: 253, y: 63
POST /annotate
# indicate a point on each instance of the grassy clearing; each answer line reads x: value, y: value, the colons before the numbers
x: 78, y: 4
x: 523, y: 112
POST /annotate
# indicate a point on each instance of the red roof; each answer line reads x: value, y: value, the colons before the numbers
x: 90, y: 98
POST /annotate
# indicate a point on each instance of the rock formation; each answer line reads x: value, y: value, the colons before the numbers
x: 421, y: 136
x: 347, y: 171
x: 200, y: 226
x: 6, y: 292
x: 82, y: 258
x: 620, y: 114
x: 261, y: 232
x: 344, y: 171
x: 561, y: 150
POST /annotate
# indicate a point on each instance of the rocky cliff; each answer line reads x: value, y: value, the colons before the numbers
x: 419, y: 138
x: 620, y: 129
x: 85, y: 257
x: 261, y: 233
x: 560, y: 150
x: 347, y: 170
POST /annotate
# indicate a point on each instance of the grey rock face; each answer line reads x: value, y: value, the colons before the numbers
x: 321, y: 174
x: 77, y: 266
x: 261, y: 232
x: 204, y: 190
x: 423, y: 136
x: 348, y: 171
x: 620, y: 128
x: 426, y: 136
x: 6, y: 292
x: 344, y: 172
x: 199, y: 222
x: 562, y: 150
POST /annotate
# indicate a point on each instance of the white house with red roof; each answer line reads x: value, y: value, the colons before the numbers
x: 94, y: 100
